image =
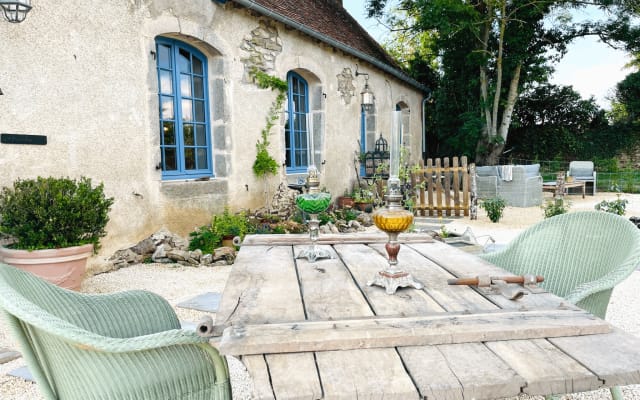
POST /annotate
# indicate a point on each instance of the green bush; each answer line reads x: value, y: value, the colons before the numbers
x: 617, y: 206
x: 555, y: 207
x: 494, y: 207
x: 229, y: 224
x: 49, y: 213
x: 205, y: 239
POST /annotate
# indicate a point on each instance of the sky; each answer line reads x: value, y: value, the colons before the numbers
x: 592, y: 68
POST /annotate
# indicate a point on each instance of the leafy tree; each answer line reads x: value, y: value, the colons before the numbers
x: 628, y: 95
x: 554, y: 122
x: 490, y: 50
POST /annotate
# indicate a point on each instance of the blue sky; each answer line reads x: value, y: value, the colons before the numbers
x: 592, y: 68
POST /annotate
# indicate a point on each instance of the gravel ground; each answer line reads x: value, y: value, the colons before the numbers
x: 177, y: 284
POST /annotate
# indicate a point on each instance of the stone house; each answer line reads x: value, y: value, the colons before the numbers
x: 156, y: 99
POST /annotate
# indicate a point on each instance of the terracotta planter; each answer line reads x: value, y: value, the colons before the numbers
x: 63, y: 267
x: 227, y: 241
x: 364, y: 206
x: 345, y: 201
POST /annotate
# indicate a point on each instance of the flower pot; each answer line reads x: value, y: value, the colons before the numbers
x: 227, y: 241
x: 64, y: 267
x: 364, y: 206
x: 345, y: 201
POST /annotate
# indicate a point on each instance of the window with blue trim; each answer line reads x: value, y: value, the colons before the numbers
x: 185, y: 143
x: 296, y: 128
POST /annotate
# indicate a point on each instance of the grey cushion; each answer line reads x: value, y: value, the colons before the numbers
x: 532, y: 170
x: 582, y: 173
x: 490, y: 170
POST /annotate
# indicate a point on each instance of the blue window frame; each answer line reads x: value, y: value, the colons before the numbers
x: 185, y: 143
x: 296, y: 128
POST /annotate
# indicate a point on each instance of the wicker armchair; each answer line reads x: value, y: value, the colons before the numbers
x: 582, y: 256
x: 126, y: 345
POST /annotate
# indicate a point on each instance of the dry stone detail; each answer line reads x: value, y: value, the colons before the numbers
x: 169, y: 248
x: 262, y: 46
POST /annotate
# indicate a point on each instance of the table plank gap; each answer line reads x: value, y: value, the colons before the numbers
x: 545, y: 367
x: 462, y: 264
x: 294, y: 376
x: 434, y: 278
x: 259, y: 373
x: 612, y: 357
x: 363, y: 264
x: 481, y: 373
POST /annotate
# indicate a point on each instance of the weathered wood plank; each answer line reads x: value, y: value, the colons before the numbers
x: 257, y: 368
x: 294, y: 376
x: 364, y: 374
x: 613, y: 357
x: 329, y: 292
x: 431, y: 373
x: 481, y: 373
x: 332, y: 238
x: 434, y: 278
x: 409, y: 331
x: 262, y: 288
x: 545, y: 368
x: 364, y: 263
x: 462, y: 264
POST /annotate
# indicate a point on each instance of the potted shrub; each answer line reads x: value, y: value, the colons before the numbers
x: 346, y: 200
x: 56, y: 225
x: 228, y: 225
x: 363, y: 200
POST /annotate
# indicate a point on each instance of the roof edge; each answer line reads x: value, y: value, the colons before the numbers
x: 339, y: 45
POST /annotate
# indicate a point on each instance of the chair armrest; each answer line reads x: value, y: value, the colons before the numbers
x: 608, y: 281
x: 130, y: 313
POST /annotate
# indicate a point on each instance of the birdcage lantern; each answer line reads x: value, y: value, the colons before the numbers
x: 377, y: 162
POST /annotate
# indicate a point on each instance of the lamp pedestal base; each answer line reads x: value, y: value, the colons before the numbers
x: 391, y: 281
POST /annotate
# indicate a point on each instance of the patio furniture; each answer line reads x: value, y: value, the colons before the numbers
x: 317, y: 330
x: 126, y: 345
x: 583, y: 171
x: 487, y: 179
x: 525, y: 187
x: 518, y: 185
x: 582, y: 256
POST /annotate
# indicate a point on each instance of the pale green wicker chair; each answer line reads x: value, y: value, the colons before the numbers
x: 126, y: 345
x: 582, y: 256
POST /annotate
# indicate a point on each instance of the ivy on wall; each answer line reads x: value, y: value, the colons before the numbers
x: 265, y: 163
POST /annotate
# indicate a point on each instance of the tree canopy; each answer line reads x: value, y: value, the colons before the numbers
x: 487, y: 52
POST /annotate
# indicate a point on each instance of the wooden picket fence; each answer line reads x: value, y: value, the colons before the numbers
x: 441, y: 189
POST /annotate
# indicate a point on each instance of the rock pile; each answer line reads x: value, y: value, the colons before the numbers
x: 166, y: 247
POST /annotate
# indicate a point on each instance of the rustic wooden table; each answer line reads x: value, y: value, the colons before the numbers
x: 316, y: 330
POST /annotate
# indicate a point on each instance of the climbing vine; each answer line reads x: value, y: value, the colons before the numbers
x: 265, y: 163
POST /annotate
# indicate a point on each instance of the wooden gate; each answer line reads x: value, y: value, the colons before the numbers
x: 441, y: 189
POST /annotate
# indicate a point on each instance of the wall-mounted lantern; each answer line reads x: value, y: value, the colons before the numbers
x: 366, y: 96
x: 15, y: 10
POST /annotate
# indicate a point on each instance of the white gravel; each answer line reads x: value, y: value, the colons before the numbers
x: 177, y: 284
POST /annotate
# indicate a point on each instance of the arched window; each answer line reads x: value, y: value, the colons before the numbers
x: 185, y: 143
x: 296, y: 128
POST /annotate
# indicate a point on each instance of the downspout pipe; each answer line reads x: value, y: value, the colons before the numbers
x: 347, y: 49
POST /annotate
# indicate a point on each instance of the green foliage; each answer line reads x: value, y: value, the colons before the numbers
x: 205, y: 239
x: 617, y: 206
x: 48, y: 213
x: 265, y: 163
x: 208, y: 237
x: 346, y: 214
x: 494, y: 208
x: 230, y: 224
x: 555, y: 207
